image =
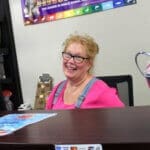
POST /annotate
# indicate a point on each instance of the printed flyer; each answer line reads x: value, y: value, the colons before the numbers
x: 13, y: 122
x: 39, y: 11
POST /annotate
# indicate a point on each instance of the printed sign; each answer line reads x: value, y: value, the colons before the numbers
x: 79, y: 147
x: 39, y: 11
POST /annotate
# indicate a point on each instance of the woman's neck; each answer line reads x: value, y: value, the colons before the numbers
x: 79, y: 82
x: 74, y: 89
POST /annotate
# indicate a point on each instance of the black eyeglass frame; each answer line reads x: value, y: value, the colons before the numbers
x: 75, y: 57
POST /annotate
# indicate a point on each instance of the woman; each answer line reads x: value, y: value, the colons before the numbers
x: 81, y: 89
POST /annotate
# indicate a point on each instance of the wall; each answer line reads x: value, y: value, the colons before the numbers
x: 120, y: 32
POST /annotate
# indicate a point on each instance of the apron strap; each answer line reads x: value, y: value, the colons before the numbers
x: 58, y: 91
x: 84, y: 93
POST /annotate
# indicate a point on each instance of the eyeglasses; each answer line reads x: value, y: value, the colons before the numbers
x: 76, y: 58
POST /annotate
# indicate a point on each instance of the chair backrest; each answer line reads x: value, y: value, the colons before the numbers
x: 124, y: 86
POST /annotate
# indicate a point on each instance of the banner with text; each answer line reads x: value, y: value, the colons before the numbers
x: 39, y: 11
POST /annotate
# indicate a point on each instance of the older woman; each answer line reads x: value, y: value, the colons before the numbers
x: 81, y: 89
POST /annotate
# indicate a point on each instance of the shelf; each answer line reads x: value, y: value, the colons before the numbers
x: 9, y: 77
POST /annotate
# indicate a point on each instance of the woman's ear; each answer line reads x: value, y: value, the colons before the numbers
x: 90, y: 64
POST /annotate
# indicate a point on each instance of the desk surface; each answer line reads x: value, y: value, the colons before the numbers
x: 130, y: 125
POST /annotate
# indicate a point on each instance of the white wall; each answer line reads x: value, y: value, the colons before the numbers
x: 120, y: 32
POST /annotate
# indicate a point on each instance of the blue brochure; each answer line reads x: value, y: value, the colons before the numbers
x: 12, y: 122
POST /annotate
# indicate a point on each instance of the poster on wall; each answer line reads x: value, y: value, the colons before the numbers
x: 40, y: 11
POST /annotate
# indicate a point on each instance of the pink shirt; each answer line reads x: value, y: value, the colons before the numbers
x: 100, y: 95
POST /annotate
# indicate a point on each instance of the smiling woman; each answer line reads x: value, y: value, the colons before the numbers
x: 81, y: 89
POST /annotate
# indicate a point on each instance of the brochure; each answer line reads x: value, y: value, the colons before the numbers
x: 12, y: 122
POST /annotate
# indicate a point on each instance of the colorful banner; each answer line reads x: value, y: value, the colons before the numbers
x: 39, y: 11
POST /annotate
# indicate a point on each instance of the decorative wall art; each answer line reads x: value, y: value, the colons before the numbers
x: 40, y: 11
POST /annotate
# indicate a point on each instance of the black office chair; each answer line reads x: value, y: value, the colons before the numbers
x: 124, y: 85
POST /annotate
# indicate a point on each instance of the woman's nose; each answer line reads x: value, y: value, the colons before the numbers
x: 71, y: 60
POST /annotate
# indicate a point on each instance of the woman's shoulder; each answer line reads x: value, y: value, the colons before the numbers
x: 102, y: 87
x: 102, y: 95
x: 59, y: 84
x: 100, y: 83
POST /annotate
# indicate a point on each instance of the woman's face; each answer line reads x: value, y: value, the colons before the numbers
x: 72, y: 69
